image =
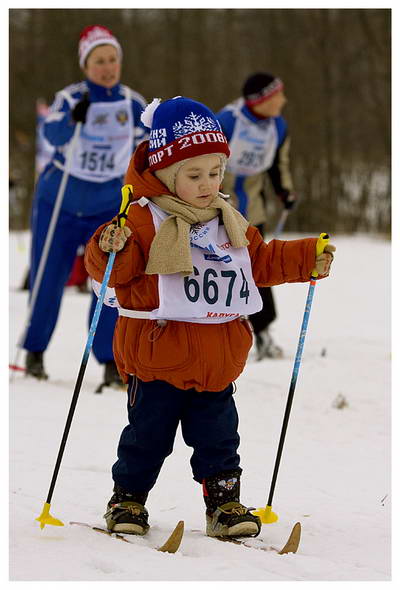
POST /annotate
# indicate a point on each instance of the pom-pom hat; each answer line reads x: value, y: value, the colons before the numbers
x: 260, y: 87
x: 181, y: 128
x: 93, y: 36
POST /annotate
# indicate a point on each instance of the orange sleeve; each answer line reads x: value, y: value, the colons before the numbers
x: 280, y: 261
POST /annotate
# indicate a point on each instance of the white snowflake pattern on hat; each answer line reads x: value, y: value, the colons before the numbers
x: 194, y: 123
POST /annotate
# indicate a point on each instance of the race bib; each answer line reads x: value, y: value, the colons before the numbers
x: 105, y: 144
x: 221, y: 287
x: 253, y: 147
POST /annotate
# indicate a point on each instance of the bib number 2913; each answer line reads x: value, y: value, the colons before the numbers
x: 208, y: 287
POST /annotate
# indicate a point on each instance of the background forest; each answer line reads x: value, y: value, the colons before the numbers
x: 335, y: 63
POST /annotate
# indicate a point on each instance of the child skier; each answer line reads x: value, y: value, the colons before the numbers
x: 185, y: 278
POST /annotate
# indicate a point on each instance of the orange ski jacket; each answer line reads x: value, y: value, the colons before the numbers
x: 206, y: 357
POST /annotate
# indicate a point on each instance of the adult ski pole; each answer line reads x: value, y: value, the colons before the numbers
x: 266, y: 515
x: 283, y: 216
x: 47, y: 245
x: 45, y: 517
x: 281, y: 222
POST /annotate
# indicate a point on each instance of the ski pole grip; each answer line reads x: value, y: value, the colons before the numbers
x: 322, y: 241
x: 127, y: 200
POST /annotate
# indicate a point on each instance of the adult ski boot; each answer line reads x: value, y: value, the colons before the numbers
x: 111, y: 377
x: 266, y: 347
x: 34, y: 365
x: 126, y: 512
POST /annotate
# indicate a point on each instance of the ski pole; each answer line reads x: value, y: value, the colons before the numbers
x: 46, y: 517
x: 266, y: 515
x: 281, y: 222
x: 47, y: 244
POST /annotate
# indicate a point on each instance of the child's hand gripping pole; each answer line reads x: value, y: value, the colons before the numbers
x: 266, y: 514
x: 46, y: 517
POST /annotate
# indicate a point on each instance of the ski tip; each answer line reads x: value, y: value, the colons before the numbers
x: 173, y: 542
x: 294, y: 540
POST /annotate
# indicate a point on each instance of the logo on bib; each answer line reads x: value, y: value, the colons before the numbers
x: 122, y: 116
x: 101, y: 119
x: 245, y: 135
x: 210, y: 254
x: 198, y: 231
x: 222, y: 314
x: 225, y: 246
x: 213, y: 256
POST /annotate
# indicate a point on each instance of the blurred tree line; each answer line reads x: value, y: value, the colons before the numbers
x: 335, y: 63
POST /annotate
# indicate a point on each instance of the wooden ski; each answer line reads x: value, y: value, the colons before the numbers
x: 171, y: 545
x: 291, y: 545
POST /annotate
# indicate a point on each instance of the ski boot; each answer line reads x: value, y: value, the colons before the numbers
x: 266, y: 347
x: 126, y: 512
x: 233, y: 520
x: 111, y: 377
x: 225, y: 515
x: 34, y: 365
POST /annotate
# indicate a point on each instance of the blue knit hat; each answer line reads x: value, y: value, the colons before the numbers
x: 181, y: 128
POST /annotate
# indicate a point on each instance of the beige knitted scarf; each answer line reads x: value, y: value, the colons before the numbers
x: 170, y: 249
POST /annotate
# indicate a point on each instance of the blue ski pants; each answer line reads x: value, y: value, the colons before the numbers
x: 209, y: 423
x: 71, y: 232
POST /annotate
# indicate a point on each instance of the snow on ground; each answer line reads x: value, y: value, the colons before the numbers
x: 335, y: 471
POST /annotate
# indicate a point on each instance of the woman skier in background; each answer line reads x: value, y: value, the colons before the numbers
x: 111, y: 129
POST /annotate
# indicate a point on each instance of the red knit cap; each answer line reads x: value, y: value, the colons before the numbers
x: 93, y: 36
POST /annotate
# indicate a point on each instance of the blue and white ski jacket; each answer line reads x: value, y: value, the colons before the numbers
x: 102, y: 151
x: 257, y: 146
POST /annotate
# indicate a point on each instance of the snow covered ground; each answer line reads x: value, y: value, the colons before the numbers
x: 335, y: 472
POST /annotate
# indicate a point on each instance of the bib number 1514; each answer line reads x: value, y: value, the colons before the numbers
x: 96, y: 162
